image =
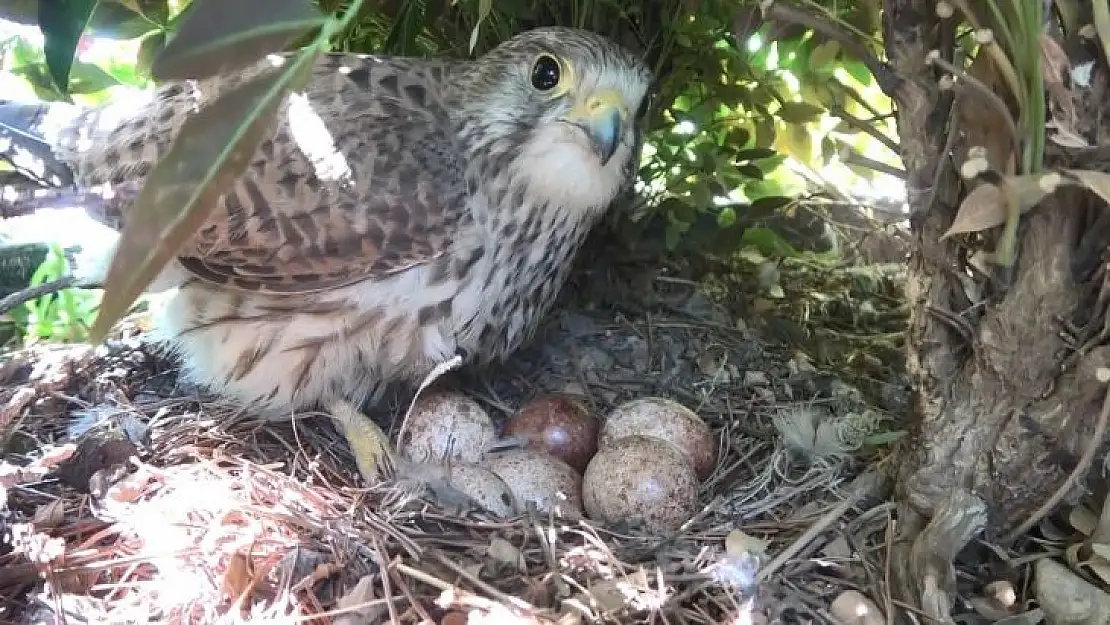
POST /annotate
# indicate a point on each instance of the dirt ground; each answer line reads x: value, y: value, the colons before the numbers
x: 132, y: 498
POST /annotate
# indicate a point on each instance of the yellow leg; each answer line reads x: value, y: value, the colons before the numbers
x: 369, y: 444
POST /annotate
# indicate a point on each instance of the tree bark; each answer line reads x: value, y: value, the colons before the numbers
x: 998, y: 422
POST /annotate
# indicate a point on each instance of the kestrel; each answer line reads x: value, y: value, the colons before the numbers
x: 402, y: 211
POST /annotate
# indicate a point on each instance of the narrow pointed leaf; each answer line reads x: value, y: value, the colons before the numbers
x: 212, y: 150
x: 985, y: 207
x: 220, y: 36
x: 61, y: 23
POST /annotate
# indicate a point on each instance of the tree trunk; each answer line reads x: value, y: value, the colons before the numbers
x: 999, y: 422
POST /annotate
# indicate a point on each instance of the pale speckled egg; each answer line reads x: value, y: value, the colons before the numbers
x: 666, y: 419
x: 640, y: 478
x: 539, y: 478
x: 484, y: 486
x: 447, y: 426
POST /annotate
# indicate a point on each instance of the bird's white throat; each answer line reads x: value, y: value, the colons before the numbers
x: 560, y: 166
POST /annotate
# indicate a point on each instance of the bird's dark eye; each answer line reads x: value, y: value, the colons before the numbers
x: 545, y: 73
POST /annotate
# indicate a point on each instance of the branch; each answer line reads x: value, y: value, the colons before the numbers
x: 34, y: 292
x: 102, y: 204
x: 848, y: 157
x: 863, y: 126
x: 791, y: 14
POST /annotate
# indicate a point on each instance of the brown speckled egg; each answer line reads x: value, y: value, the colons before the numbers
x: 668, y: 420
x: 536, y: 477
x: 447, y: 426
x: 484, y: 487
x: 558, y: 425
x: 640, y: 478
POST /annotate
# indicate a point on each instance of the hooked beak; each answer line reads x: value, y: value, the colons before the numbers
x: 601, y: 117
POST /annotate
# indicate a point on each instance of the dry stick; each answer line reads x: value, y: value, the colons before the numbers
x: 34, y: 292
x: 863, y: 486
x: 518, y: 603
x: 865, y: 127
x: 407, y: 591
x: 1093, y: 444
x: 887, y: 598
x: 848, y: 157
x: 966, y: 81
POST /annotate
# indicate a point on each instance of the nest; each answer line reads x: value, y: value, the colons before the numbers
x: 132, y: 500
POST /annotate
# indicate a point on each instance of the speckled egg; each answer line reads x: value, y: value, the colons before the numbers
x: 666, y: 419
x: 559, y: 425
x: 539, y: 478
x: 447, y: 426
x: 640, y: 478
x: 484, y: 487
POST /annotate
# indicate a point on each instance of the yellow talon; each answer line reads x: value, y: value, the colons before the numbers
x: 369, y: 444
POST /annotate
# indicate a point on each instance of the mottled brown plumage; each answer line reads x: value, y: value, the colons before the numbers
x: 403, y: 210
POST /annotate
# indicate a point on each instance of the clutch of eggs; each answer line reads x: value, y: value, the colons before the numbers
x: 644, y: 462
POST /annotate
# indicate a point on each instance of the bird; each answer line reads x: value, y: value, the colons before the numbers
x: 401, y: 211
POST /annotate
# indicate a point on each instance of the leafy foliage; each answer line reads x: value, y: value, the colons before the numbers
x: 748, y: 114
x: 62, y: 316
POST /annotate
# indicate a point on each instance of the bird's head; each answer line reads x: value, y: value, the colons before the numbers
x: 565, y: 108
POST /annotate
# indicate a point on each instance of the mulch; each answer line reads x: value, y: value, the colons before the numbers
x: 127, y: 497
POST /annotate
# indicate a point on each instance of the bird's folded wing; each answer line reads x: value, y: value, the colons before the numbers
x: 361, y: 176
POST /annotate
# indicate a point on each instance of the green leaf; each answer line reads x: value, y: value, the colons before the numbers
x: 751, y: 171
x: 407, y: 23
x: 157, y: 11
x: 738, y: 138
x: 212, y: 150
x: 86, y: 78
x: 219, y: 36
x: 726, y: 217
x: 858, y: 71
x: 151, y: 45
x: 61, y: 23
x: 755, y: 154
x: 113, y: 20
x: 800, y: 112
x: 768, y: 242
x: 484, y: 8
x: 701, y: 196
x: 824, y: 54
x: 672, y: 237
x: 770, y: 203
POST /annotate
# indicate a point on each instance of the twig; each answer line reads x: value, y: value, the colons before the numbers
x: 1094, y: 441
x: 866, y: 127
x: 887, y: 598
x: 863, y: 486
x: 966, y: 81
x: 848, y: 157
x: 407, y: 591
x: 34, y: 292
x: 516, y: 602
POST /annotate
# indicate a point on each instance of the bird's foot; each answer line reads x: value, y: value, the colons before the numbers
x: 372, y: 450
x: 369, y: 444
